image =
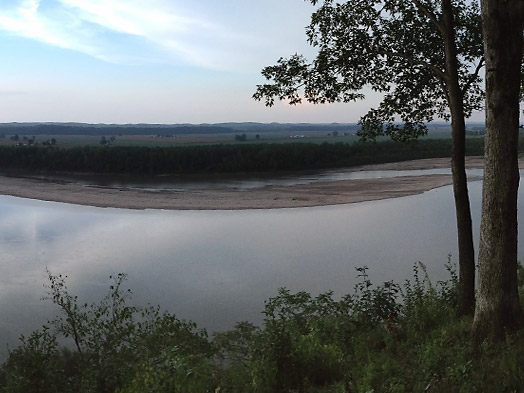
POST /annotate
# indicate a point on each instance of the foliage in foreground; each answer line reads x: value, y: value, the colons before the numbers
x: 387, y: 338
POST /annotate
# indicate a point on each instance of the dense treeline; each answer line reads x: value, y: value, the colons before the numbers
x: 221, y: 158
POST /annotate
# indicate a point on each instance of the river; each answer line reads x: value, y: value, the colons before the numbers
x: 216, y: 267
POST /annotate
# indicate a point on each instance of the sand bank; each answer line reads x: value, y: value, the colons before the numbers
x: 314, y: 194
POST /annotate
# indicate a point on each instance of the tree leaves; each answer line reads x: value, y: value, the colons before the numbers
x: 395, y: 47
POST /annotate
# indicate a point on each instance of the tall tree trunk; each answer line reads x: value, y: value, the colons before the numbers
x: 466, y: 290
x: 498, y: 311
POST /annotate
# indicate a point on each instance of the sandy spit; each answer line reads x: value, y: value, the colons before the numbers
x: 315, y: 194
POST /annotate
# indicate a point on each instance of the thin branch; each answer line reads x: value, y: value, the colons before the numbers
x: 473, y: 76
x: 66, y: 307
x: 432, y: 17
x: 435, y: 70
x: 443, y: 86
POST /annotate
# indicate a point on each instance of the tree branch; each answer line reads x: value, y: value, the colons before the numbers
x: 72, y: 320
x: 443, y: 86
x: 435, y: 70
x: 432, y: 17
x: 473, y: 76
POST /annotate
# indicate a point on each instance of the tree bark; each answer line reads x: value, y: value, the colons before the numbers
x: 498, y: 310
x: 466, y: 285
x: 466, y: 289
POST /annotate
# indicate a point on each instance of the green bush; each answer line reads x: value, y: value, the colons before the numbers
x: 35, y: 366
x: 117, y: 348
x: 385, y: 338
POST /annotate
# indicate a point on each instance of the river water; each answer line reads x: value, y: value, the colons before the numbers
x: 216, y: 267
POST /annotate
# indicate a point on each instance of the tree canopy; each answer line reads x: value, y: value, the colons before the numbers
x: 395, y: 47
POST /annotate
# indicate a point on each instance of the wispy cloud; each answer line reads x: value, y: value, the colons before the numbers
x: 26, y: 19
x: 123, y: 30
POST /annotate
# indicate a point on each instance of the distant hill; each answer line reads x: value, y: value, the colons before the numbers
x: 165, y: 129
x: 185, y: 129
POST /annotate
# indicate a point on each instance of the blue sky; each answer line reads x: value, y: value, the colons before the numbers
x: 151, y: 61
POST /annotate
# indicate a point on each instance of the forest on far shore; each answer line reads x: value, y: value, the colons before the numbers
x: 222, y: 158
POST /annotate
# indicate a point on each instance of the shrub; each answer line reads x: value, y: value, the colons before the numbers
x: 117, y: 348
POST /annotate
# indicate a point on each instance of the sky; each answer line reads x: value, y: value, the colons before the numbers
x: 152, y: 61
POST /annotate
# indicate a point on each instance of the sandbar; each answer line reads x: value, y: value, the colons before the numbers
x: 319, y: 193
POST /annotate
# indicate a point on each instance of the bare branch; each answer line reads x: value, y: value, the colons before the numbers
x: 473, y: 76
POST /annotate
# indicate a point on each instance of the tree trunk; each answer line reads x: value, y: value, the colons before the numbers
x: 466, y: 290
x: 498, y: 311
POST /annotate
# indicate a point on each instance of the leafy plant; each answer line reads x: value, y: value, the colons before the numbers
x: 385, y: 338
x: 117, y: 347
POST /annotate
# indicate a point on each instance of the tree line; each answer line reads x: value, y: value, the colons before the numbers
x: 221, y: 158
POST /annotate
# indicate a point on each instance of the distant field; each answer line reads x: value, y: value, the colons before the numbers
x: 183, y: 140
x: 198, y: 139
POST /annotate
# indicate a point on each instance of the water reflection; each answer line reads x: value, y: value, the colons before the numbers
x: 243, y: 181
x: 215, y: 267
